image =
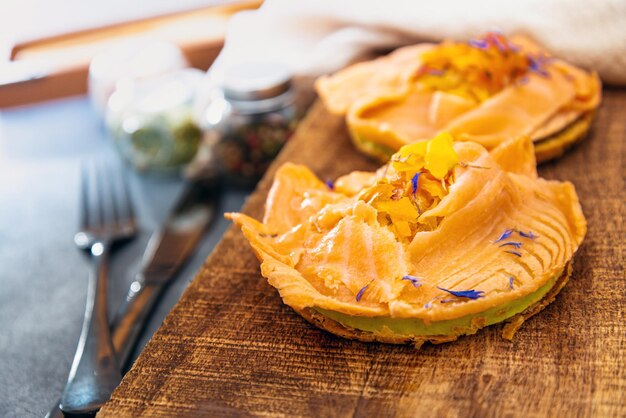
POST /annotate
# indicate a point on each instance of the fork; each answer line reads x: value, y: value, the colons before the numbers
x: 107, y: 216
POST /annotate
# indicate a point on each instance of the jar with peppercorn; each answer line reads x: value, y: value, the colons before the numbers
x: 246, y: 122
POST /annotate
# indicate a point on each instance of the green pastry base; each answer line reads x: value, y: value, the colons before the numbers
x: 417, y: 332
x: 370, y: 148
x: 416, y: 327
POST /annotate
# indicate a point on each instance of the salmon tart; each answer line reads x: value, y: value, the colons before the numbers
x: 486, y: 91
x: 443, y: 240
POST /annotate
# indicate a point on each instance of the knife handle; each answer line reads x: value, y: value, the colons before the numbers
x: 131, y: 318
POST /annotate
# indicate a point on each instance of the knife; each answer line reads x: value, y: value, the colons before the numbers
x: 168, y: 248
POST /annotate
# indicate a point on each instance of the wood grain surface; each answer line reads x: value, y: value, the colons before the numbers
x: 231, y: 348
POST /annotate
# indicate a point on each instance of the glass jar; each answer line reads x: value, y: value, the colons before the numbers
x: 248, y: 120
x: 137, y: 59
x: 152, y: 123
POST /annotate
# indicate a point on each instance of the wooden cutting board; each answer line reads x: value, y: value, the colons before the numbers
x: 231, y: 348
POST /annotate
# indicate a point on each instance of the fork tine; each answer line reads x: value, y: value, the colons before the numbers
x: 126, y: 201
x: 101, y: 200
x: 84, y: 196
x: 110, y: 178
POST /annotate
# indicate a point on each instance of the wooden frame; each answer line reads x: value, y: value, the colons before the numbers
x: 58, y: 66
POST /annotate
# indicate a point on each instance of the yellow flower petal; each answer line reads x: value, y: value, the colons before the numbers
x: 459, y: 67
x: 402, y: 228
x: 440, y: 155
x: 416, y: 149
x: 409, y: 157
x: 433, y: 188
x: 401, y: 209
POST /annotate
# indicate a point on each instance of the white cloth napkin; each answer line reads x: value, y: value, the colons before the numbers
x: 321, y: 36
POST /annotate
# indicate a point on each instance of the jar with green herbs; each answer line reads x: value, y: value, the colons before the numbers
x: 151, y: 121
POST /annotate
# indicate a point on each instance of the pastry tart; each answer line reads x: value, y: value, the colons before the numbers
x: 443, y: 240
x: 486, y: 91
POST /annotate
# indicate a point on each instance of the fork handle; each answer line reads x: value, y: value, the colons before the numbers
x: 95, y: 372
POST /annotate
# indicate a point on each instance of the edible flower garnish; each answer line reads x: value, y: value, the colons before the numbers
x: 440, y: 156
x: 437, y: 156
x: 528, y: 234
x: 448, y: 300
x: 500, y: 42
x: 414, y: 280
x: 512, y: 244
x: 414, y: 182
x: 363, y: 289
x: 479, y: 68
x: 507, y: 233
x: 468, y: 165
x: 330, y: 185
x: 401, y: 208
x: 479, y: 43
x: 537, y: 65
x: 470, y: 294
x: 511, y: 279
x: 417, y: 177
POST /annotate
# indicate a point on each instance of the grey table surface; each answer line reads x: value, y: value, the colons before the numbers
x: 43, y: 277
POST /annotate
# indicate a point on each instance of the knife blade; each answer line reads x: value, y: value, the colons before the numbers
x: 167, y: 250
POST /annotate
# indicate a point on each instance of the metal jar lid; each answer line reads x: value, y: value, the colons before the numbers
x: 252, y: 81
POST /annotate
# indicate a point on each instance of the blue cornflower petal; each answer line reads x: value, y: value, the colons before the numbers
x: 478, y: 43
x: 415, y: 182
x: 498, y: 43
x: 414, y: 280
x: 434, y: 71
x: 528, y: 234
x: 507, y: 233
x: 470, y: 294
x: 363, y: 289
x: 536, y: 65
x: 512, y: 244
